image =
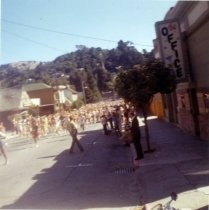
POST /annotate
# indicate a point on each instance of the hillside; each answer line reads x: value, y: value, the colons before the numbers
x: 95, y: 67
x: 20, y: 66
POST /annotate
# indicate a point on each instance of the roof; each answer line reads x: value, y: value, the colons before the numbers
x: 72, y: 91
x: 68, y: 88
x: 178, y: 10
x: 13, y: 99
x: 36, y: 86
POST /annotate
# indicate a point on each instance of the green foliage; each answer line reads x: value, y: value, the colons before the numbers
x: 95, y: 66
x: 104, y: 80
x: 77, y: 104
x: 139, y: 84
x: 162, y: 78
x: 34, y: 111
x: 91, y: 91
x: 125, y: 55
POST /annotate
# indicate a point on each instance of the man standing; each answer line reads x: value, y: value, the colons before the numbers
x: 71, y: 127
x: 136, y: 137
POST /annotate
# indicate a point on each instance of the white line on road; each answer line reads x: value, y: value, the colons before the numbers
x: 79, y: 165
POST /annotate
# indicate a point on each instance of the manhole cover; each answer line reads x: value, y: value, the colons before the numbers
x: 124, y: 170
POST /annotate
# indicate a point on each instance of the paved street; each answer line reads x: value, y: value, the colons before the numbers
x: 48, y: 177
x: 101, y: 178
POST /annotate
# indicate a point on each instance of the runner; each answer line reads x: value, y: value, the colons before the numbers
x: 2, y: 147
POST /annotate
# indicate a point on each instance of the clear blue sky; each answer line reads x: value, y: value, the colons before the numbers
x: 41, y: 30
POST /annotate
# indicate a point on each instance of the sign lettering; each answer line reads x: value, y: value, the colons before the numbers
x: 169, y: 36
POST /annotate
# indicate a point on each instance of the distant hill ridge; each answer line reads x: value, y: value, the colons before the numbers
x: 21, y: 65
x: 96, y: 67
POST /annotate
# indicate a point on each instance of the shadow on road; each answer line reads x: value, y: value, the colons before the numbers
x: 88, y: 180
x: 83, y: 180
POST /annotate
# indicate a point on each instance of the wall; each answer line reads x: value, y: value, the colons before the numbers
x: 198, y: 45
x: 156, y: 107
x: 192, y: 95
x: 46, y: 98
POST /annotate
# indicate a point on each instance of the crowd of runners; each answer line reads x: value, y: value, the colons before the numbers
x: 112, y: 115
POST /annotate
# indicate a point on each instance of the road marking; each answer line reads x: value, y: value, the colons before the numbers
x: 96, y: 142
x: 79, y: 165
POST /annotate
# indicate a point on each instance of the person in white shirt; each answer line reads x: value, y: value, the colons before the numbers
x: 2, y: 147
x: 81, y: 121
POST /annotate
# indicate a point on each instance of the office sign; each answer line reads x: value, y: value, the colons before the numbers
x: 169, y: 35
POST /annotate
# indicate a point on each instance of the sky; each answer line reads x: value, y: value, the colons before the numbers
x: 41, y: 30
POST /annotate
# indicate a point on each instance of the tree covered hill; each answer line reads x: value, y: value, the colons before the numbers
x: 92, y: 67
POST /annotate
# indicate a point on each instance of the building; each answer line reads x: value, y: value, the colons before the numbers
x: 64, y: 97
x: 44, y: 98
x: 12, y: 101
x: 188, y: 45
x: 42, y: 95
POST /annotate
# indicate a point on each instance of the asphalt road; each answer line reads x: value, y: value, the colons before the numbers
x: 48, y: 177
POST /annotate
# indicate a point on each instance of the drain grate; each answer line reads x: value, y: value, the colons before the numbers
x: 124, y: 170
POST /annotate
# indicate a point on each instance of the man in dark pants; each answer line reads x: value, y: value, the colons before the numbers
x: 104, y: 124
x: 71, y: 127
x: 136, y: 137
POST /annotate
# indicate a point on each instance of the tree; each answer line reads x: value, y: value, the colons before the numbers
x: 91, y: 91
x: 33, y: 110
x: 137, y: 85
x: 125, y: 55
x: 77, y: 104
x: 101, y: 63
x: 104, y: 79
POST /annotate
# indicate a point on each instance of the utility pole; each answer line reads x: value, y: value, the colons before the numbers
x: 83, y: 90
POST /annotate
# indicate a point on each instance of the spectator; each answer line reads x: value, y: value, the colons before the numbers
x: 136, y: 137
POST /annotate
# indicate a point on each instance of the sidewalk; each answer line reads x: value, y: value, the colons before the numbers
x: 180, y: 164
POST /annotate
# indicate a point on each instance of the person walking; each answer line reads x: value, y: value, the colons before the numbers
x: 109, y: 119
x: 104, y: 124
x: 2, y: 147
x: 34, y: 131
x: 72, y: 129
x: 136, y: 137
